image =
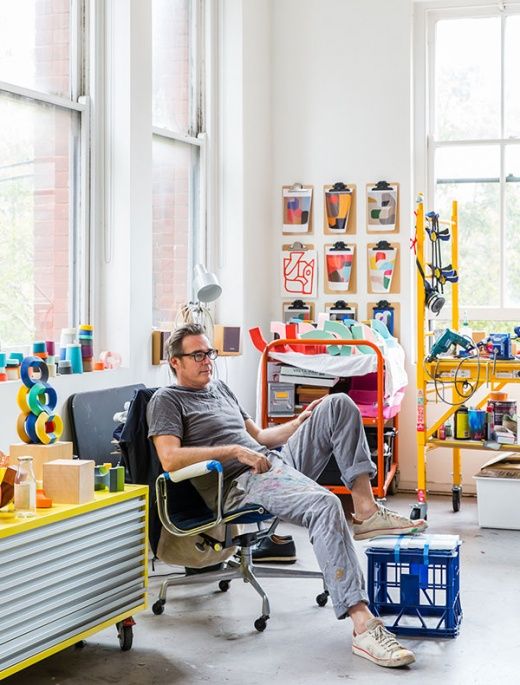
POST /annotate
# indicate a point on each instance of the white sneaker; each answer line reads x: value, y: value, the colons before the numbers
x: 386, y: 522
x: 377, y: 644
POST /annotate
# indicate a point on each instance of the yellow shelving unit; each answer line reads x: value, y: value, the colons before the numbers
x: 490, y: 374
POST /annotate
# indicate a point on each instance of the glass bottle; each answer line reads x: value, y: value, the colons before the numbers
x: 25, y: 488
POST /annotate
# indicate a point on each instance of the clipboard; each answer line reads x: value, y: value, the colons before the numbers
x: 334, y: 209
x: 297, y: 309
x: 297, y: 208
x: 382, y: 199
x: 299, y: 271
x: 339, y: 277
x: 396, y: 314
x: 341, y: 311
x: 380, y: 280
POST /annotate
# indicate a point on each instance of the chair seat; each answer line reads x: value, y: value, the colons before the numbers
x: 248, y: 513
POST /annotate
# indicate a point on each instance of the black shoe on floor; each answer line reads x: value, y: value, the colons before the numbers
x: 275, y: 549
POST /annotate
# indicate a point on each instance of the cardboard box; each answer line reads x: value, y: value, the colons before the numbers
x: 40, y: 454
x: 69, y: 481
x: 498, y: 491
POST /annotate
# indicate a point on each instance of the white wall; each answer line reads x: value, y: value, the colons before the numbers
x: 309, y: 90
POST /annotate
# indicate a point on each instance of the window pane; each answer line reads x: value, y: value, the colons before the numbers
x: 175, y: 174
x: 512, y: 225
x: 467, y: 79
x: 35, y: 45
x: 479, y: 226
x: 36, y: 162
x: 512, y: 81
x: 172, y: 56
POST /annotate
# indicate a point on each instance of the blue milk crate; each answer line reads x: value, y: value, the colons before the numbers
x: 415, y: 589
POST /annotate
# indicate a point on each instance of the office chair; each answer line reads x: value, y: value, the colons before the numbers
x: 176, y: 505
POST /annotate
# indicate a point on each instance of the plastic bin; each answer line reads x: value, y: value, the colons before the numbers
x: 416, y: 591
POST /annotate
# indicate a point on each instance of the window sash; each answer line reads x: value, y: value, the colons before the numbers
x: 79, y: 301
x: 433, y: 16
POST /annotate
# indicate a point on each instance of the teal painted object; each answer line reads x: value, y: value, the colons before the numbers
x: 110, y: 478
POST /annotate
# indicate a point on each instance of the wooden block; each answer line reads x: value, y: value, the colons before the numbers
x: 69, y: 481
x: 40, y: 454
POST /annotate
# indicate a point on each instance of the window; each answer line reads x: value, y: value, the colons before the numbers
x: 178, y: 145
x: 41, y: 123
x: 474, y: 150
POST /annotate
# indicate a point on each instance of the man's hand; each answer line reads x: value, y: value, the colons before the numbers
x: 304, y: 415
x: 256, y: 461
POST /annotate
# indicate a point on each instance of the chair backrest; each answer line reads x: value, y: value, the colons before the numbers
x: 92, y: 423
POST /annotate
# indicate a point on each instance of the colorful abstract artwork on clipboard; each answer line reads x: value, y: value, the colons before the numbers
x: 299, y: 273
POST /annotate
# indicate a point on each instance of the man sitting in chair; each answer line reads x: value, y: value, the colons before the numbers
x: 200, y: 419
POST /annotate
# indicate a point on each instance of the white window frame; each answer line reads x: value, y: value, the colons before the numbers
x: 79, y: 251
x: 427, y: 14
x: 201, y: 28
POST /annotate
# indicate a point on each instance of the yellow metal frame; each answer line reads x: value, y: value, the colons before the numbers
x: 492, y: 374
x: 61, y: 512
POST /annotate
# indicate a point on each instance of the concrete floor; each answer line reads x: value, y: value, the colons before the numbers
x: 206, y: 636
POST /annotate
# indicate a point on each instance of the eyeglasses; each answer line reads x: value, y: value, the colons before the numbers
x: 199, y: 356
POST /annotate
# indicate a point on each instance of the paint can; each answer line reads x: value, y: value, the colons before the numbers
x: 461, y: 421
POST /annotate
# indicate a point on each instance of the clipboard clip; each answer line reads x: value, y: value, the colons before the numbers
x: 298, y: 246
x: 382, y: 185
x: 298, y: 304
x: 296, y: 186
x: 339, y: 186
x: 383, y: 304
x: 339, y: 245
x: 383, y: 245
x: 341, y: 304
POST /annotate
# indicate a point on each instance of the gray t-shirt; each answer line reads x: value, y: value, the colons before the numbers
x: 203, y: 418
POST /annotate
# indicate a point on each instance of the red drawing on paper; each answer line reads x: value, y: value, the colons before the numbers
x: 298, y: 272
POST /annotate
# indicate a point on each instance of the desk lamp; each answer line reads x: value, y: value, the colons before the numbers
x: 206, y: 289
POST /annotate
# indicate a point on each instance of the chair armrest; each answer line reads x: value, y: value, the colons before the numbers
x: 192, y: 471
x: 201, y: 468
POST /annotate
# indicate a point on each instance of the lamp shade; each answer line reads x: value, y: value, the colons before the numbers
x: 205, y: 284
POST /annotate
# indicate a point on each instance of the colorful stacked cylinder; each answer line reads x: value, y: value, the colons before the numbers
x: 86, y: 340
x: 38, y: 423
x: 3, y: 359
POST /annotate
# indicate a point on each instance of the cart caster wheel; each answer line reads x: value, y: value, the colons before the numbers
x: 455, y: 498
x: 419, y: 511
x: 158, y: 607
x: 125, y: 635
x: 394, y: 484
x: 223, y: 586
x: 261, y: 623
x: 80, y: 644
x: 322, y: 598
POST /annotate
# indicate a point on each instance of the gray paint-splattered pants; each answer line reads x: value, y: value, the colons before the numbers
x: 289, y: 492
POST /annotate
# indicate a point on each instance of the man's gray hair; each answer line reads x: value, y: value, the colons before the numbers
x: 174, y: 342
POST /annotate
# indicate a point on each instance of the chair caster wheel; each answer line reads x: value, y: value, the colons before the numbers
x: 261, y: 623
x: 223, y: 586
x: 158, y: 607
x: 322, y: 599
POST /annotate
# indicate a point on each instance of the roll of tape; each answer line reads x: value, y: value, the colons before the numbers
x: 33, y: 363
x: 20, y: 428
x: 22, y: 400
x: 42, y: 398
